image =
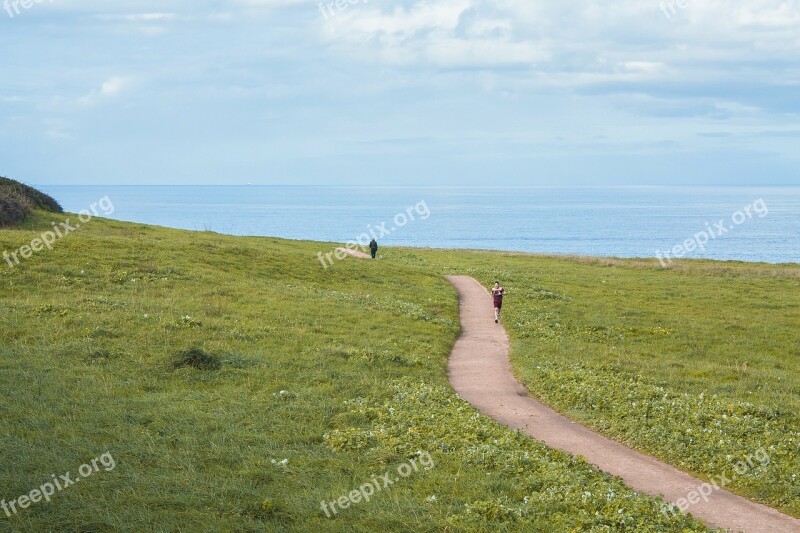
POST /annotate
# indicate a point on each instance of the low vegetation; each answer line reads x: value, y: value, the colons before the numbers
x: 239, y: 386
x: 17, y: 201
x: 696, y: 365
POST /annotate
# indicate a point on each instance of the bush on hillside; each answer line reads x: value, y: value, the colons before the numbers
x: 17, y: 200
x: 196, y: 358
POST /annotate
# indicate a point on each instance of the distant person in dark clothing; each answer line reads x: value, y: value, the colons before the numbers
x: 497, y: 299
x: 373, y: 248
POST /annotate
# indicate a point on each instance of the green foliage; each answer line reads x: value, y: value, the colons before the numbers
x: 18, y: 200
x: 696, y: 364
x: 196, y: 358
x: 646, y: 412
x: 356, y: 352
x: 540, y: 489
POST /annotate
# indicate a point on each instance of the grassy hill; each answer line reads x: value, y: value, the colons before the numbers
x: 238, y: 384
x: 18, y: 200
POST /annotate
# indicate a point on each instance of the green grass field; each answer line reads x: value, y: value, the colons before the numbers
x: 322, y: 379
x: 696, y: 365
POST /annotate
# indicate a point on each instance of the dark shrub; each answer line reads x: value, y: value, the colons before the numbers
x: 18, y: 200
x: 196, y: 358
x: 12, y: 210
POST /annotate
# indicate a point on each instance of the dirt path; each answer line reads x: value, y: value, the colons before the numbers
x: 355, y: 253
x: 480, y: 372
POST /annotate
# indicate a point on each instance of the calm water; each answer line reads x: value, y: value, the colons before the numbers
x: 624, y: 222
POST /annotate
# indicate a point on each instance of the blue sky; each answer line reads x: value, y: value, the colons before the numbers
x: 401, y: 92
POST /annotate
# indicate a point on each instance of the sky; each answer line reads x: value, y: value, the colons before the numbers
x: 401, y: 92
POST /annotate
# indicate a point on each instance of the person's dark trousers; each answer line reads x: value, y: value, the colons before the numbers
x: 374, y: 252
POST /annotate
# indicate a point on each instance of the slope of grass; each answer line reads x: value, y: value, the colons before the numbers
x: 237, y: 385
x: 18, y: 200
x: 697, y: 365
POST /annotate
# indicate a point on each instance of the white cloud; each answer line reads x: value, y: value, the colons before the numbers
x: 139, y: 17
x: 768, y: 15
x: 428, y: 32
x: 642, y: 66
x: 148, y: 23
x: 628, y: 40
x: 150, y: 17
x: 428, y: 15
x: 452, y: 52
x: 114, y: 86
x: 110, y: 88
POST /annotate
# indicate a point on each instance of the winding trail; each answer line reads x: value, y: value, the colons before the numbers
x: 480, y: 372
x: 354, y: 253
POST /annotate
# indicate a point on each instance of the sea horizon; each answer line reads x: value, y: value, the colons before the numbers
x: 637, y: 221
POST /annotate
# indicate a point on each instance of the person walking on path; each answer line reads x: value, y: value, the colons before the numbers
x: 497, y: 298
x: 373, y: 248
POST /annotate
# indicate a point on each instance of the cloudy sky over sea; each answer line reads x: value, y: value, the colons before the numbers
x: 401, y: 92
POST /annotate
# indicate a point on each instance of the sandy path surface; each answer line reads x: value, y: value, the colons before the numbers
x: 480, y: 372
x: 355, y: 253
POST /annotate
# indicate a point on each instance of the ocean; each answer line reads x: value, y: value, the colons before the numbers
x: 729, y: 223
